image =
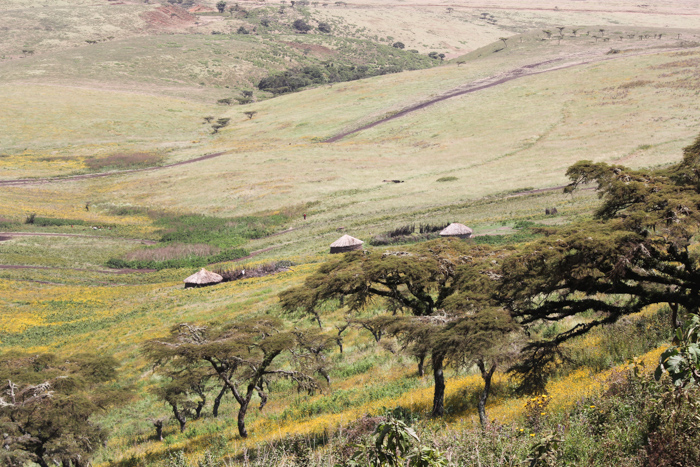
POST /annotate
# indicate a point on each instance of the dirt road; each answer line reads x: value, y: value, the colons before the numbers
x: 41, y: 234
x: 37, y: 181
x: 501, y: 78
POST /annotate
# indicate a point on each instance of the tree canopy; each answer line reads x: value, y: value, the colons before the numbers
x: 46, y: 407
x: 439, y: 296
x: 243, y: 355
x: 636, y: 252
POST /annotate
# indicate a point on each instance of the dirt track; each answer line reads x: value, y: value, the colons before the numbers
x: 492, y: 81
x: 36, y: 181
x: 100, y: 271
x: 40, y: 234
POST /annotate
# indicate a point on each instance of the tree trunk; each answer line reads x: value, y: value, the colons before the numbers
x: 198, y: 409
x: 159, y: 429
x: 217, y: 401
x: 439, y: 396
x: 674, y: 316
x: 241, y: 420
x: 180, y: 417
x: 486, y: 375
x: 421, y: 365
x: 40, y: 460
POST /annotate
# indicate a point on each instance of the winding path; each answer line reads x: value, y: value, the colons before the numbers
x: 496, y: 80
x: 48, y: 234
x: 36, y: 181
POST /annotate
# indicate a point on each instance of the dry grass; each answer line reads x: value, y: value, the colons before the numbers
x: 124, y: 161
x: 175, y: 251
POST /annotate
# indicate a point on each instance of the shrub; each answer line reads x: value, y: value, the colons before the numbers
x: 324, y: 27
x: 447, y: 179
x: 398, y: 45
x: 301, y: 25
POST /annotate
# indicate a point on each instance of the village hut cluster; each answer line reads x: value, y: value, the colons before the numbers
x: 347, y: 243
x: 342, y: 245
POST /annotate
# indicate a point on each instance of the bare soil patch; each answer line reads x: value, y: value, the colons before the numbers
x: 169, y: 17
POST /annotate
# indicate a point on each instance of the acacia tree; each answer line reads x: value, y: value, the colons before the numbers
x: 429, y: 288
x: 637, y: 252
x: 244, y: 356
x: 47, y: 404
x: 185, y: 390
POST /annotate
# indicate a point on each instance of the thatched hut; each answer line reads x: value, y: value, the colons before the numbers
x: 202, y: 279
x: 456, y: 230
x: 346, y: 243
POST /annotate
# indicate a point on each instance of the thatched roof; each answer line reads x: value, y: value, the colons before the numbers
x: 456, y: 229
x: 345, y: 241
x: 204, y: 277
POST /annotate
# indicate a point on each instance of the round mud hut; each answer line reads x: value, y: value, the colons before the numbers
x: 346, y: 243
x: 203, y: 278
x: 456, y: 230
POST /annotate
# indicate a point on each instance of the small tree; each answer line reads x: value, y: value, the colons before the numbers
x: 243, y: 355
x: 221, y: 6
x: 434, y: 55
x: 250, y: 114
x: 504, y: 40
x: 220, y: 123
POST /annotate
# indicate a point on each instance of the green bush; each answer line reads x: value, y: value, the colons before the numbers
x: 50, y: 222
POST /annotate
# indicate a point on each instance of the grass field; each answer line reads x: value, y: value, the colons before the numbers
x: 136, y: 96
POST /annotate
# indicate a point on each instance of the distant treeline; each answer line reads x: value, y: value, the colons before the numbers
x: 295, y: 79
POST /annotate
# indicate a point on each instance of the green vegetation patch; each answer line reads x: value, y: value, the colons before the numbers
x: 187, y: 262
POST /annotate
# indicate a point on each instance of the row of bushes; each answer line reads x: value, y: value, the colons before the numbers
x: 293, y: 80
x: 33, y: 219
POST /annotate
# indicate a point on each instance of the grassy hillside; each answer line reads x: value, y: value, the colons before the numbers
x: 90, y: 88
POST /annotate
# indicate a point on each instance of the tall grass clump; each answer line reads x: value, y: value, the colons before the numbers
x: 192, y: 261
